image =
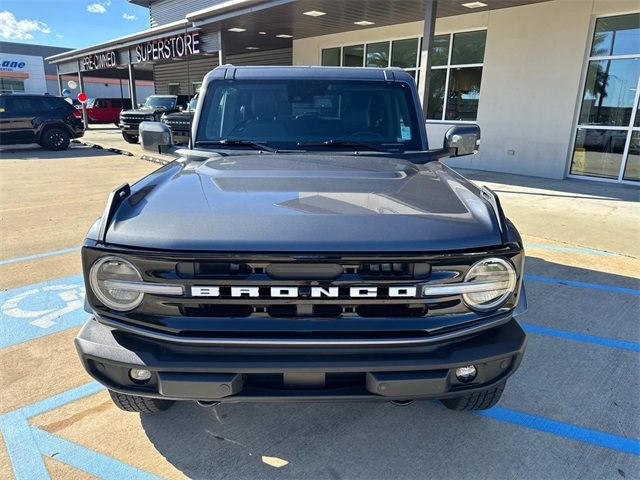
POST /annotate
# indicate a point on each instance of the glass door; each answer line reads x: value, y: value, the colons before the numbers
x: 607, y: 141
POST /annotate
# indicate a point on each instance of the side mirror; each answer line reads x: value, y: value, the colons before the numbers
x: 462, y: 140
x: 155, y: 137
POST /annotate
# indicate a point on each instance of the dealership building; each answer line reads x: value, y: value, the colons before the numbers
x: 553, y: 84
x: 23, y: 69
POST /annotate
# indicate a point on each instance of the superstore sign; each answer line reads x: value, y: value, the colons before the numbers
x: 175, y: 46
x: 95, y: 61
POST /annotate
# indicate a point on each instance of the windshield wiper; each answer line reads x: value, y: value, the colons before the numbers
x: 232, y: 142
x: 350, y: 143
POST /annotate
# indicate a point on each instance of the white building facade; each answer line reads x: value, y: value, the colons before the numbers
x: 528, y: 75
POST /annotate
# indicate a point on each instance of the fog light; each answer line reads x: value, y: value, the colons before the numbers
x: 139, y: 374
x: 466, y: 374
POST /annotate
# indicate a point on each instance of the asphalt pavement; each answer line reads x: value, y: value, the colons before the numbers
x: 571, y: 411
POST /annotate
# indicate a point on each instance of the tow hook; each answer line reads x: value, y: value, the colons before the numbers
x: 205, y: 404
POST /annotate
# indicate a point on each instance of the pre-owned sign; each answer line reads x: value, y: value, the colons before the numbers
x: 107, y: 59
x: 169, y: 47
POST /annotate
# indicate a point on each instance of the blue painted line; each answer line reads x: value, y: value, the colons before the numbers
x: 38, y: 255
x: 41, y: 309
x: 98, y: 464
x: 50, y: 403
x: 566, y: 430
x: 572, y: 283
x: 558, y: 248
x: 26, y: 460
x: 27, y: 444
x: 580, y: 337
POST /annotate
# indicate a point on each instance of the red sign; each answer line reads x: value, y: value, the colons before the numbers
x: 82, y: 97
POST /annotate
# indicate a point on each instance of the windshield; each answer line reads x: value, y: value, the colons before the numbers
x: 168, y: 103
x: 311, y: 114
x: 192, y: 104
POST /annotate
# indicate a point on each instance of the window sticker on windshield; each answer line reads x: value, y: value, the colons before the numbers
x: 405, y: 132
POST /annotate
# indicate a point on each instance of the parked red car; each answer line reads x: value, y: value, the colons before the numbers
x: 104, y: 110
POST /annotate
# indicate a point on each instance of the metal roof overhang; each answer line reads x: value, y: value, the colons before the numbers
x: 287, y: 17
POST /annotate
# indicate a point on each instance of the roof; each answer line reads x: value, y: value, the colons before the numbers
x: 309, y: 72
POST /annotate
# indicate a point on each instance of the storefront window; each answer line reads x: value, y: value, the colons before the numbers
x: 378, y: 54
x: 174, y: 89
x: 610, y: 92
x: 608, y: 133
x: 632, y: 169
x: 331, y: 57
x: 402, y: 53
x: 11, y: 85
x: 440, y: 52
x: 353, y: 56
x: 616, y: 36
x: 456, y: 75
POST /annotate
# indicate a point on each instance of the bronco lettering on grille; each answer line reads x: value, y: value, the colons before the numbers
x: 294, y: 292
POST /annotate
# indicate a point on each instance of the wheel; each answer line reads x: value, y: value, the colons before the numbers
x: 134, y: 403
x: 55, y: 138
x: 476, y: 401
x: 130, y: 138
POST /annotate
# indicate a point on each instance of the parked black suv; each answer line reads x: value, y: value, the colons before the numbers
x: 151, y: 111
x: 309, y: 246
x: 44, y: 119
x: 180, y: 122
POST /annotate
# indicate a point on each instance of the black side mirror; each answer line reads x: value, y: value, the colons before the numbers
x: 462, y: 140
x: 155, y: 137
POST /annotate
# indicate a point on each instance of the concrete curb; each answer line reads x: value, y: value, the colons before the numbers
x: 154, y: 159
x: 100, y: 147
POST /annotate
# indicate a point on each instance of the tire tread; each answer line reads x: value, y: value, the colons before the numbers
x: 134, y: 403
x: 481, y: 400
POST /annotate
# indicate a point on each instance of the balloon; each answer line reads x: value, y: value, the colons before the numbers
x: 72, y: 85
x: 82, y: 97
x: 66, y: 92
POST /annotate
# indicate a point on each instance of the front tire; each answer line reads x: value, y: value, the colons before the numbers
x: 134, y: 403
x: 129, y: 138
x: 55, y: 138
x: 481, y: 400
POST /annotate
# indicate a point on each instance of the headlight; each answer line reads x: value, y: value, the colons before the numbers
x: 104, y: 277
x: 495, y: 281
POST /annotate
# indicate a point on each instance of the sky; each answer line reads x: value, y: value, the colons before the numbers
x: 69, y: 23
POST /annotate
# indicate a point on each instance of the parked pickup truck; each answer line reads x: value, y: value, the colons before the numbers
x: 308, y: 246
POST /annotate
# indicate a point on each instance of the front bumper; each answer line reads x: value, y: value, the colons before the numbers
x: 257, y: 373
x: 131, y: 128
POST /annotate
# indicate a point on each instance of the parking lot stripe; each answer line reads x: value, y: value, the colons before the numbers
x: 566, y: 430
x: 83, y: 458
x: 558, y: 248
x: 572, y: 283
x: 580, y: 337
x: 38, y: 255
x: 26, y: 444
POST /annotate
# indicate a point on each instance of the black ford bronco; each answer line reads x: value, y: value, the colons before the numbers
x: 308, y: 246
x: 150, y: 111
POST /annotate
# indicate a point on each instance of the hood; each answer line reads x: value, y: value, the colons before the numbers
x: 186, y: 115
x: 304, y: 203
x: 142, y: 111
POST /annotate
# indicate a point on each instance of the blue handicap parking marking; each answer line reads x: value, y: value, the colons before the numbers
x: 41, y: 309
x: 27, y: 444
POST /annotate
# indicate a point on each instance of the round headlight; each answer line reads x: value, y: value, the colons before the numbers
x: 104, y: 277
x: 496, y: 281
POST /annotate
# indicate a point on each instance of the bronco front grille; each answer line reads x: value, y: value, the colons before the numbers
x: 314, y: 293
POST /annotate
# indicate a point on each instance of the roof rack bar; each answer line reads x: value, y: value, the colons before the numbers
x: 116, y: 197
